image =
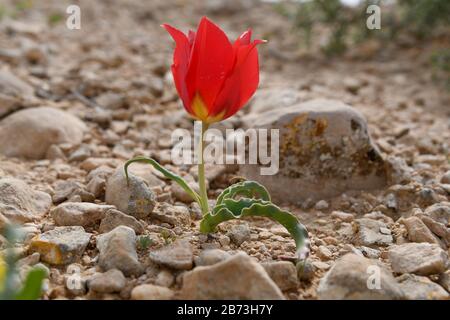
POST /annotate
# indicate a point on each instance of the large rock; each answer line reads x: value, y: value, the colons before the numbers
x: 421, y: 288
x: 133, y: 198
x: 29, y: 133
x: 19, y: 203
x: 62, y: 245
x: 349, y: 278
x: 325, y: 149
x: 14, y: 93
x: 237, y: 278
x: 419, y: 258
x: 118, y: 251
x: 79, y: 213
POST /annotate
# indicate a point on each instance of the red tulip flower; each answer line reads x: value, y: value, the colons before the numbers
x: 214, y: 77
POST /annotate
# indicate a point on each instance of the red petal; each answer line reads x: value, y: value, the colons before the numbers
x: 244, y: 38
x: 242, y: 83
x: 180, y: 63
x: 211, y: 60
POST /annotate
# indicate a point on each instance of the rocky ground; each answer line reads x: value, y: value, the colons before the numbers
x: 371, y: 182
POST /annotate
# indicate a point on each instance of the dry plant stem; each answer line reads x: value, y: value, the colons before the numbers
x: 201, y: 171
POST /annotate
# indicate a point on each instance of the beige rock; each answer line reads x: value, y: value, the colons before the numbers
x: 118, y: 251
x: 325, y: 149
x: 79, y: 213
x: 19, y: 203
x: 239, y: 277
x: 283, y: 273
x: 62, y: 245
x: 371, y: 232
x: 151, y: 292
x: 177, y: 255
x: 29, y: 133
x: 211, y: 256
x: 349, y: 278
x: 133, y: 198
x: 14, y: 92
x: 111, y: 281
x: 418, y: 231
x: 174, y: 215
x: 114, y: 218
x: 418, y: 258
x: 421, y: 288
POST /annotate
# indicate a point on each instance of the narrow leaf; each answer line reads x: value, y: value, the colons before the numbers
x: 33, y: 285
x: 168, y: 174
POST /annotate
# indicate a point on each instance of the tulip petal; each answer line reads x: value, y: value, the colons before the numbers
x: 242, y: 83
x: 244, y: 38
x: 180, y: 63
x: 210, y: 62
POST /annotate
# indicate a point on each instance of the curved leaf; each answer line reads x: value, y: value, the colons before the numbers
x: 168, y: 174
x: 248, y: 189
x: 233, y: 209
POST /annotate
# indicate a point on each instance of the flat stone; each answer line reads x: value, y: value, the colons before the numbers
x: 151, y: 292
x: 237, y: 278
x: 118, y: 251
x: 348, y: 279
x: 283, y: 273
x: 30, y: 132
x: 19, y: 203
x: 418, y: 258
x: 325, y: 150
x: 174, y: 215
x: 62, y: 245
x: 110, y: 281
x: 114, y: 218
x: 421, y: 288
x: 177, y: 255
x: 369, y: 232
x: 79, y: 213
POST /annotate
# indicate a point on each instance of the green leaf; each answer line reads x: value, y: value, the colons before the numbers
x: 168, y: 174
x: 33, y: 285
x: 234, y: 209
x: 249, y: 189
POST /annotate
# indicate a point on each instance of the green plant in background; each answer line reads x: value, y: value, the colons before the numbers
x: 55, y: 18
x: 10, y: 288
x: 347, y: 25
x: 440, y: 61
x: 144, y: 242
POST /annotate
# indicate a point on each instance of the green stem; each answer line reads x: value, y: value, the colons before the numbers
x: 201, y: 172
